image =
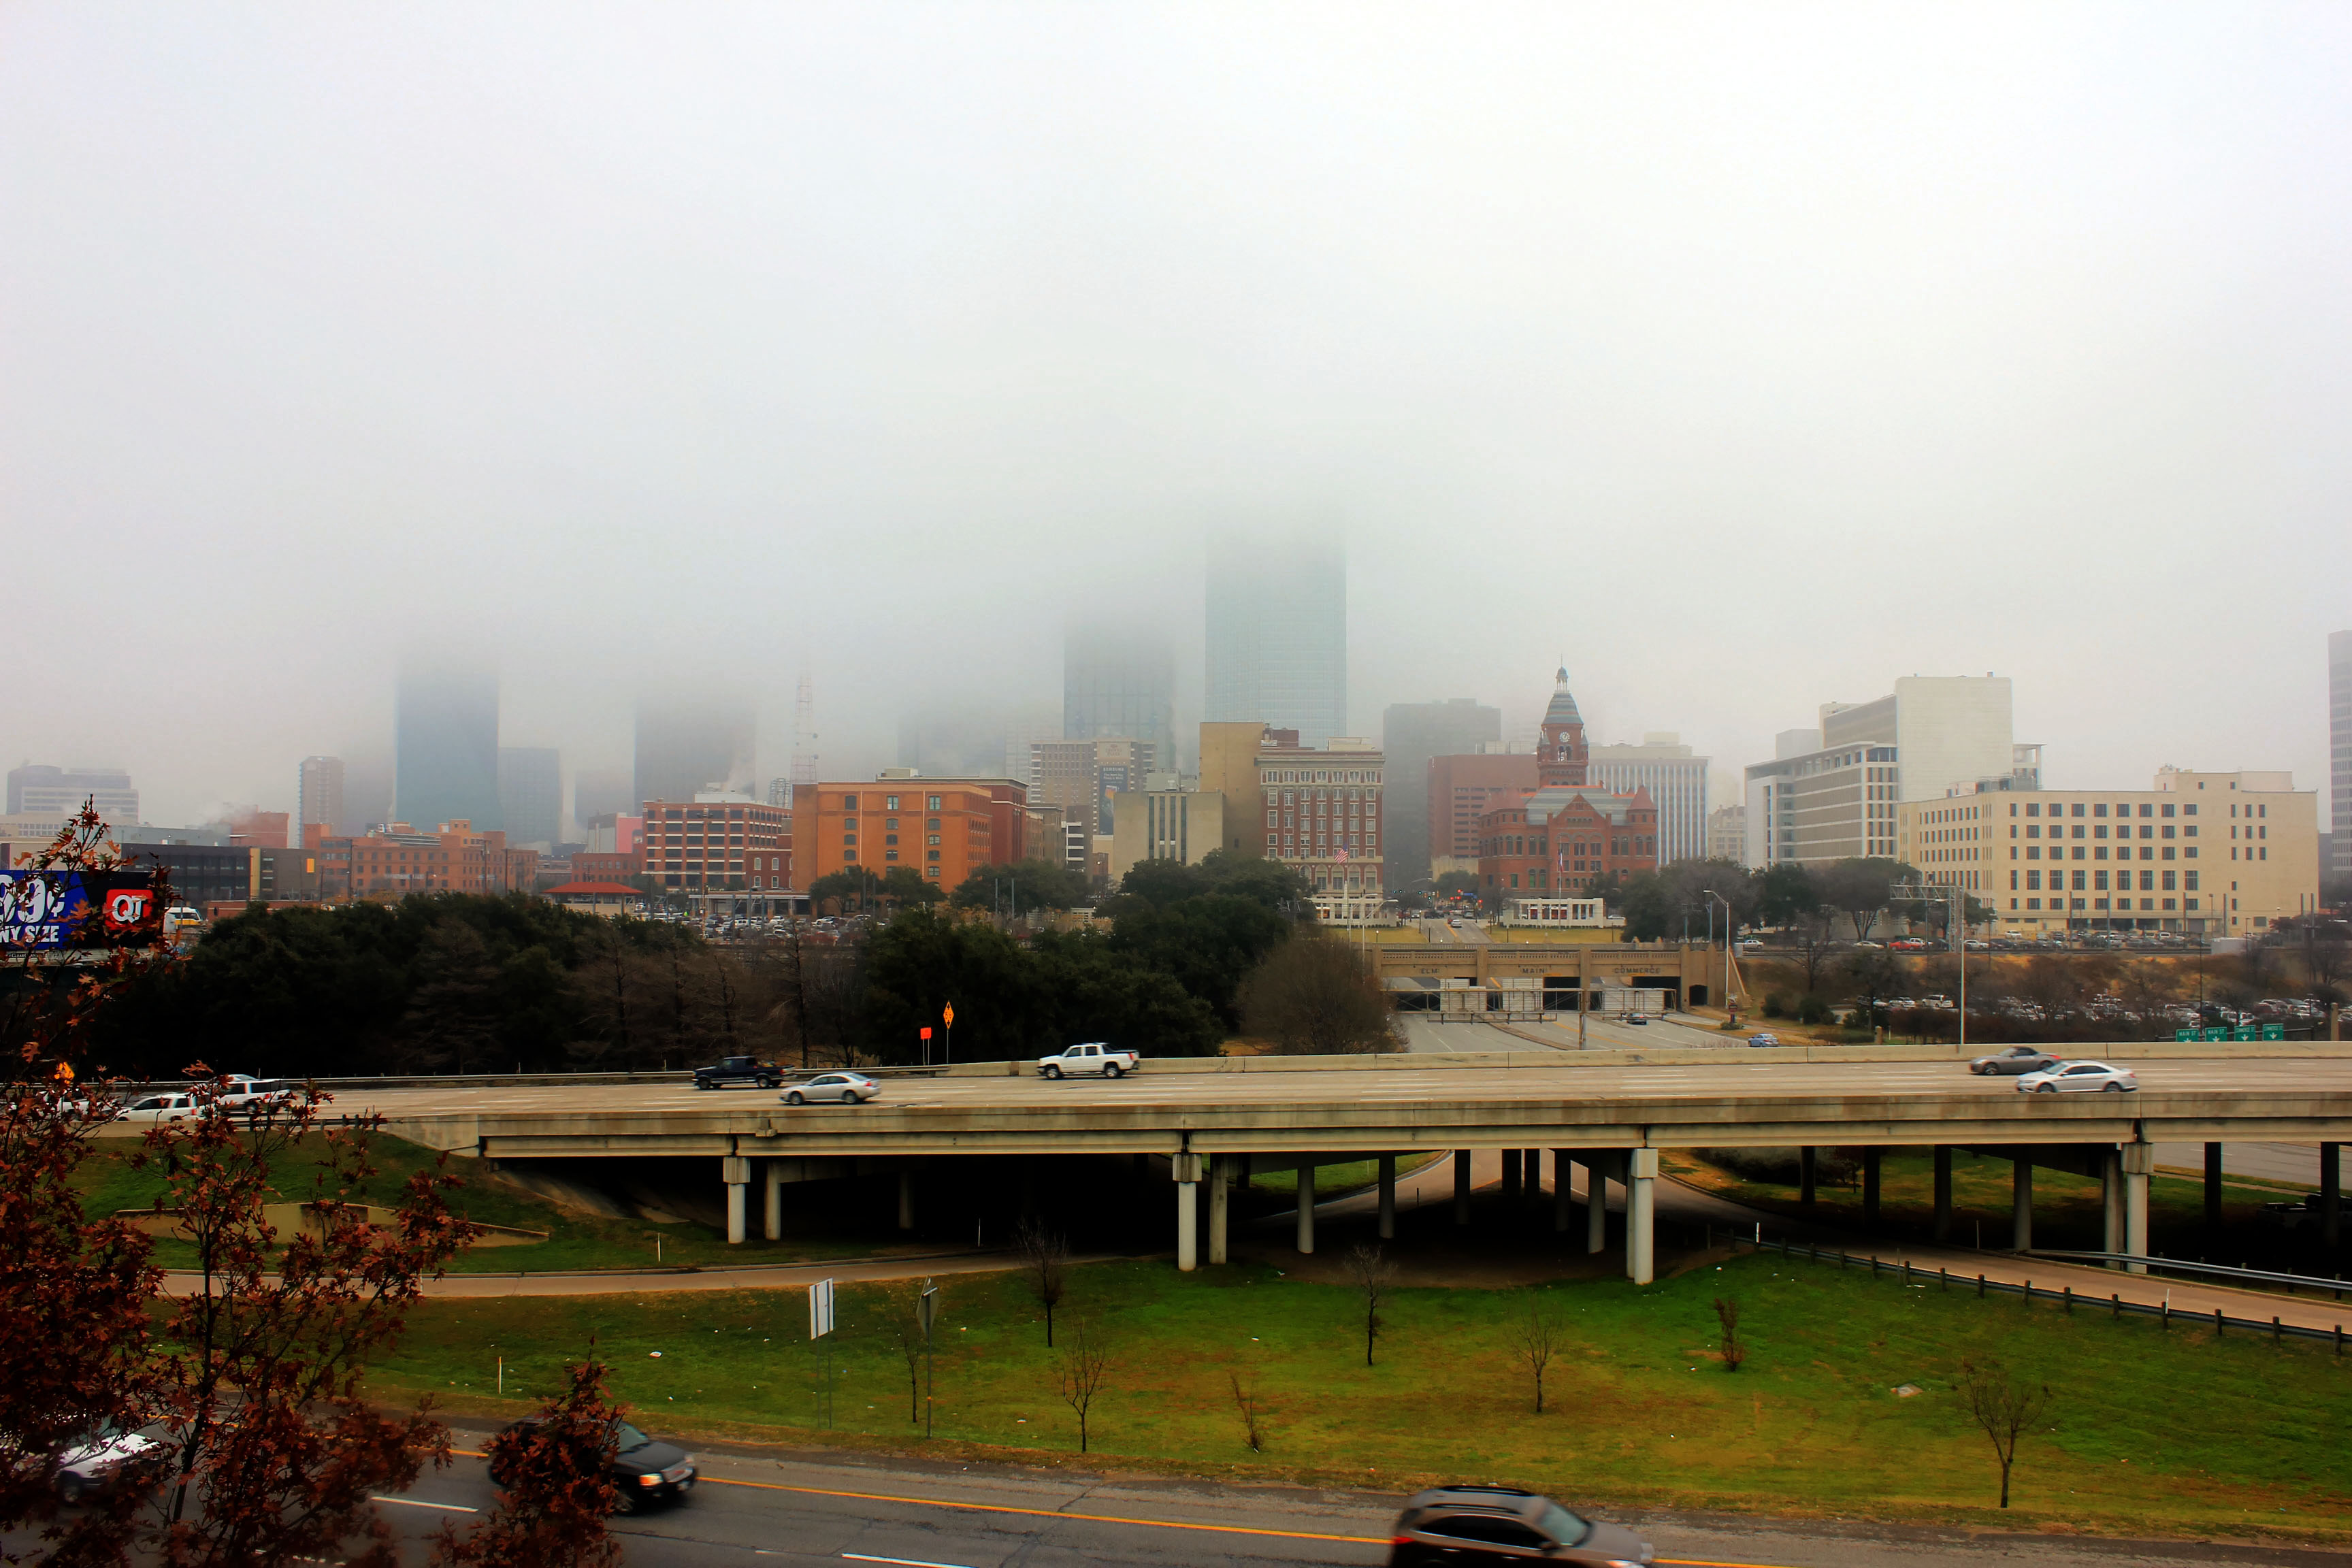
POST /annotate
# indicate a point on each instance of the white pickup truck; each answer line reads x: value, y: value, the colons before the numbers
x: 1094, y: 1058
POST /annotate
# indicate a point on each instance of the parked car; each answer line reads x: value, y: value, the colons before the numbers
x: 1503, y: 1524
x: 1765, y: 1038
x: 1093, y: 1057
x: 102, y: 1457
x: 2073, y: 1078
x: 645, y: 1471
x: 2016, y: 1059
x: 848, y: 1088
x: 738, y: 1069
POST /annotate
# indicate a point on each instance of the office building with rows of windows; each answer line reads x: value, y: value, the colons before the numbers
x: 1323, y: 819
x: 718, y: 842
x: 2201, y: 854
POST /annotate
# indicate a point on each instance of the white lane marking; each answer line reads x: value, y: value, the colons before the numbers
x: 898, y: 1562
x: 413, y: 1502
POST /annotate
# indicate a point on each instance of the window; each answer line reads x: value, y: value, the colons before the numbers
x: 890, y: 802
x: 2034, y: 880
x: 2100, y: 810
x: 849, y: 803
x: 2078, y: 811
x: 932, y: 803
x: 933, y: 824
x: 2032, y: 808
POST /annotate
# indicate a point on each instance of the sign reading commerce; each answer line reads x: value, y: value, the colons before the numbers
x: 45, y: 911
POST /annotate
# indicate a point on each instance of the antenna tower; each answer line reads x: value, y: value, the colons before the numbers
x: 804, y: 737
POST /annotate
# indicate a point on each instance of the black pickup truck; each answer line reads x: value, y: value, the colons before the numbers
x: 738, y: 1069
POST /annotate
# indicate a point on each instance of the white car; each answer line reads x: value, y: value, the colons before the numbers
x: 2073, y: 1078
x: 159, y: 1108
x: 846, y: 1088
x: 1094, y: 1057
x: 1766, y: 1038
x: 97, y: 1457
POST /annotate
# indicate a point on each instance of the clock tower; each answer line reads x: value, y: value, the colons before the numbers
x: 1563, y: 755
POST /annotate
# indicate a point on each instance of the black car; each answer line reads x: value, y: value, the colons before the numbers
x: 1503, y: 1524
x: 645, y: 1471
x: 738, y: 1069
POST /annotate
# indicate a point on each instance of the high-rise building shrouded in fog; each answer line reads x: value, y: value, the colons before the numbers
x: 531, y: 793
x: 688, y: 745
x: 1118, y: 682
x: 321, y: 797
x: 37, y: 790
x: 1413, y: 735
x: 2340, y: 753
x: 446, y: 745
x: 1277, y: 636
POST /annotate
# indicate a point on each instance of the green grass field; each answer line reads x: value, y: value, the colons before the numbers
x: 2068, y: 1211
x: 110, y: 1181
x: 1332, y: 1180
x: 2167, y: 1432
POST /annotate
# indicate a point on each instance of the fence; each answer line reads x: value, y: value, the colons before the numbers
x: 2064, y: 1295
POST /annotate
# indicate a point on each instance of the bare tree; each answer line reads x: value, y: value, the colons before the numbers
x: 1318, y: 996
x: 1245, y: 1402
x: 1727, y: 1312
x: 1046, y: 1257
x: 1814, y: 932
x: 1535, y: 1340
x: 906, y: 1327
x: 2004, y: 1407
x: 1374, y: 1276
x: 1079, y: 1371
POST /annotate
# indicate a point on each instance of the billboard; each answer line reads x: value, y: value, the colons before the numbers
x: 50, y: 910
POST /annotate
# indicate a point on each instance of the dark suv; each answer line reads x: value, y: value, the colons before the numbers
x: 643, y: 1471
x: 1502, y: 1524
x: 738, y: 1069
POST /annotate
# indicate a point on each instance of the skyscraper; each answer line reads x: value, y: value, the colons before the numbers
x: 37, y: 790
x: 690, y: 743
x: 1411, y: 735
x: 531, y: 793
x: 1676, y: 781
x: 321, y: 797
x: 446, y: 745
x: 2339, y: 751
x: 1277, y: 637
x: 1119, y: 681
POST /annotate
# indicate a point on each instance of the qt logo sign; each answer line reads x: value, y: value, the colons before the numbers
x: 128, y: 906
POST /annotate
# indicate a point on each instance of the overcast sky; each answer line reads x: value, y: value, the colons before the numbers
x: 1746, y: 357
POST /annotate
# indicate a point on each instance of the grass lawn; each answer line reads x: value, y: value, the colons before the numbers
x: 1330, y: 1180
x: 110, y: 1181
x: 2067, y: 1209
x: 2153, y: 1431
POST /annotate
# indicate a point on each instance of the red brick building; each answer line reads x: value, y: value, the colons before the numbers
x: 947, y: 828
x: 399, y: 860
x: 1564, y: 837
x: 1462, y: 790
x: 715, y: 843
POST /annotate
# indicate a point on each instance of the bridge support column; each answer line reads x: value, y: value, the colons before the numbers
x: 1306, y: 1208
x: 1805, y: 1176
x: 1461, y: 1186
x: 905, y: 1197
x: 1596, y: 1202
x: 2213, y: 1192
x: 2138, y: 1165
x: 2020, y: 1203
x: 1531, y: 1167
x: 1510, y: 1178
x: 2111, y: 1202
x: 1221, y: 1204
x: 1872, y: 1159
x: 772, y: 1219
x: 1943, y: 1192
x: 1388, y: 1197
x: 1640, y: 1215
x: 1561, y: 1197
x: 736, y: 1170
x: 2331, y: 1195
x: 1187, y: 1169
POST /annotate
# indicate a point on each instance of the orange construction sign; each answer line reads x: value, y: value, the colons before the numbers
x: 949, y: 1016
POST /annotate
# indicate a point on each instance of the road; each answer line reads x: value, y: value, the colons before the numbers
x: 1400, y: 1086
x: 811, y: 1509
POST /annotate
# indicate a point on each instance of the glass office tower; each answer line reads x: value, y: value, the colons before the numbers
x: 1277, y: 636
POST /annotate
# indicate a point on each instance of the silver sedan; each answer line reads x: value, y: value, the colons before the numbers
x: 2016, y: 1059
x: 2075, y: 1077
x: 847, y: 1087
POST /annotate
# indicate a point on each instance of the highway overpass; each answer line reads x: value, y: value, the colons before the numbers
x: 1211, y: 1125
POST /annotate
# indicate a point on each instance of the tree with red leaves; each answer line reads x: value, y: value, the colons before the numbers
x: 554, y: 1476
x: 275, y: 1454
x: 74, y: 1328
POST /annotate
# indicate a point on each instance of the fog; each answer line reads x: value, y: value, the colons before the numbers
x: 1742, y: 358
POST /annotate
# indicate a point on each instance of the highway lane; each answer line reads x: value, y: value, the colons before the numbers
x: 1614, y: 1084
x: 811, y: 1509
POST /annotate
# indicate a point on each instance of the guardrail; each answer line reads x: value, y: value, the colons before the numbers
x: 1944, y: 1278
x: 2334, y: 1287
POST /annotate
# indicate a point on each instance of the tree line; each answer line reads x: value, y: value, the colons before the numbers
x: 460, y: 983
